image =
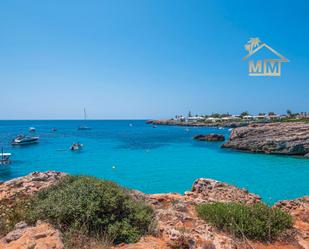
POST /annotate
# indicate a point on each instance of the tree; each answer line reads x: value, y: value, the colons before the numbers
x: 261, y: 113
x: 245, y: 113
x: 189, y: 114
x: 215, y: 115
x: 271, y: 113
x: 289, y: 112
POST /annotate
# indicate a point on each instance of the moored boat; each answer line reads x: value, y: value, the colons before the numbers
x: 84, y: 127
x: 25, y: 140
x: 5, y: 158
x: 76, y: 147
x: 32, y: 129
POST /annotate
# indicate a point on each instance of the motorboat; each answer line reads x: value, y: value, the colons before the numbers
x: 5, y: 158
x: 32, y: 129
x: 76, y: 147
x: 25, y: 140
x: 54, y: 129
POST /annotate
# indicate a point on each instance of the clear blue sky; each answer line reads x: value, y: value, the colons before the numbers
x: 147, y: 58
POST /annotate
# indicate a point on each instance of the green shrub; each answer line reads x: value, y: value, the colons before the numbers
x: 257, y: 222
x: 97, y: 207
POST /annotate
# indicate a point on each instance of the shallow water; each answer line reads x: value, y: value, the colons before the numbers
x: 153, y: 160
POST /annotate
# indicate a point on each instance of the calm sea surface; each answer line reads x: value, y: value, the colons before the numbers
x: 153, y: 160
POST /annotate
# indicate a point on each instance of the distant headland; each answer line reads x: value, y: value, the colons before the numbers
x: 231, y: 120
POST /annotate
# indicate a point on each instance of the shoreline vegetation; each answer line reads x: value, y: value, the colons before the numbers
x: 59, y: 211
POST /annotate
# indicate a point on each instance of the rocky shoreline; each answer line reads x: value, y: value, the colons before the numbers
x: 285, y: 138
x: 198, y: 124
x: 275, y: 138
x: 176, y: 217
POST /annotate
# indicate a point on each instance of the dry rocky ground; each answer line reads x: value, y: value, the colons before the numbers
x: 177, y: 223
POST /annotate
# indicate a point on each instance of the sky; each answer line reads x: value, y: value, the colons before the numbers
x: 139, y: 59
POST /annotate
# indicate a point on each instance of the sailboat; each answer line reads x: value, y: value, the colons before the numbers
x: 83, y: 127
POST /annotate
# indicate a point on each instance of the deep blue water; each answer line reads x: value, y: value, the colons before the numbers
x: 153, y: 160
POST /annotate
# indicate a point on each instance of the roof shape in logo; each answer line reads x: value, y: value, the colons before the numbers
x: 282, y: 58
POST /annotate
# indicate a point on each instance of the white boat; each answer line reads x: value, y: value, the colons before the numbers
x: 25, y: 140
x: 84, y: 127
x: 5, y: 158
x: 76, y: 147
x: 32, y: 129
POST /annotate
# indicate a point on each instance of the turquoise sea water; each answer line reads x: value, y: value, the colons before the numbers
x: 153, y: 160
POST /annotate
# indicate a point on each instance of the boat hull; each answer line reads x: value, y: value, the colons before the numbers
x: 33, y: 141
x: 83, y: 128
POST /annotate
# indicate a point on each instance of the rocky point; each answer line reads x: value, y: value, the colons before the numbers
x: 288, y: 138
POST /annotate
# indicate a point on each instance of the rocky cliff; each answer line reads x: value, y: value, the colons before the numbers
x: 274, y: 138
x: 177, y: 223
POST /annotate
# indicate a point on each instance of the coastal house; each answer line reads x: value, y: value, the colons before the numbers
x: 260, y: 117
x: 248, y: 117
x: 211, y: 119
x: 231, y: 118
x: 195, y: 119
x: 273, y: 116
x: 180, y: 118
x: 302, y: 115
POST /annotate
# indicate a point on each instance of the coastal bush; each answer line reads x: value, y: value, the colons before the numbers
x: 257, y: 222
x: 89, y: 206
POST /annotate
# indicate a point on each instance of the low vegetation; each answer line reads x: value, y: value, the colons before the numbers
x: 256, y: 222
x: 295, y: 120
x: 99, y: 209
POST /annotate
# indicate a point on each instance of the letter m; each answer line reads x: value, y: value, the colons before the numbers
x: 272, y: 67
x: 255, y: 68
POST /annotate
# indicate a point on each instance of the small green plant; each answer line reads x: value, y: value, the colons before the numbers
x: 257, y: 222
x: 90, y: 206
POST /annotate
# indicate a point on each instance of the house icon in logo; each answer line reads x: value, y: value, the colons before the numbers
x: 265, y: 67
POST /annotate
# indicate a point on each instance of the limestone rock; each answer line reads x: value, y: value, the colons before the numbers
x: 289, y: 138
x: 27, y: 185
x: 210, y: 137
x: 41, y: 236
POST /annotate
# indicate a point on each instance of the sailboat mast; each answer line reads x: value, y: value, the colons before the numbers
x: 85, y: 114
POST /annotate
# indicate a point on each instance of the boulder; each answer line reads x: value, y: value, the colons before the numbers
x: 210, y: 137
